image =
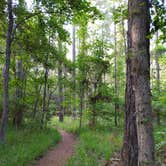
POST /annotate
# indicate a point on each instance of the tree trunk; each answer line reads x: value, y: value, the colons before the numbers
x: 38, y: 90
x: 139, y: 58
x: 49, y: 98
x: 44, y: 94
x: 65, y: 89
x: 18, y: 116
x: 115, y: 76
x: 6, y: 72
x: 60, y: 87
x: 130, y: 145
x: 81, y: 102
x: 60, y: 90
x: 73, y: 74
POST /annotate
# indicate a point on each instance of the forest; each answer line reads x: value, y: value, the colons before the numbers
x: 82, y: 83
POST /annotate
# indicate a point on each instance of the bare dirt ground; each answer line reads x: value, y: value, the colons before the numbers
x: 59, y: 155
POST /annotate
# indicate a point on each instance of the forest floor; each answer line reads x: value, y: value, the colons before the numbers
x: 59, y: 155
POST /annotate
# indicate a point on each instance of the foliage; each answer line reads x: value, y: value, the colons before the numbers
x: 160, y: 137
x: 158, y: 12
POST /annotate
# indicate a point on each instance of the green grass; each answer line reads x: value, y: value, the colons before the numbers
x: 95, y: 146
x: 69, y: 124
x: 24, y: 146
x: 160, y: 142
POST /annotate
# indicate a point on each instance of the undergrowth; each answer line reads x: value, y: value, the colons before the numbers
x: 25, y: 145
x: 160, y: 142
x: 95, y: 145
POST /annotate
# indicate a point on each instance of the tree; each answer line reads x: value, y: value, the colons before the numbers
x: 138, y: 96
x: 115, y: 73
x: 18, y: 116
x: 74, y: 71
x: 60, y: 87
x: 6, y: 71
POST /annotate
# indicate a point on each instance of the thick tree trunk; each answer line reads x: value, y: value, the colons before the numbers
x: 130, y: 146
x: 139, y: 57
x: 6, y: 72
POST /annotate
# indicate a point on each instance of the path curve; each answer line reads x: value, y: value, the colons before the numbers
x: 59, y: 155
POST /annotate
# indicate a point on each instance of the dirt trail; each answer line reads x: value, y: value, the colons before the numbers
x: 59, y: 155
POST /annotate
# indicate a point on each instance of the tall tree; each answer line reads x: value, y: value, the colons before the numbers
x: 115, y: 73
x: 6, y: 71
x: 74, y: 73
x: 138, y: 95
x: 44, y: 107
x: 60, y: 87
x: 18, y: 116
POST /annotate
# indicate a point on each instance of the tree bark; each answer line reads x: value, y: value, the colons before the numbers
x: 81, y: 102
x: 6, y: 72
x: 18, y: 116
x: 130, y: 145
x: 38, y: 90
x: 44, y: 93
x: 73, y: 73
x: 60, y: 91
x: 139, y: 57
x: 60, y: 87
x: 115, y: 75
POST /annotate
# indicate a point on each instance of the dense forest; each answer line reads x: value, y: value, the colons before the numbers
x: 83, y: 82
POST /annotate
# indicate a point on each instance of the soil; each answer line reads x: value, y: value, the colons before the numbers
x: 59, y: 155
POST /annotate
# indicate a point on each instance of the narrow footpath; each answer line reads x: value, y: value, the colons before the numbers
x: 59, y: 155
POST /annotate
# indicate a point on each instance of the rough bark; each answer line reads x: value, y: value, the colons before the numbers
x: 6, y: 72
x: 139, y: 56
x: 130, y: 146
